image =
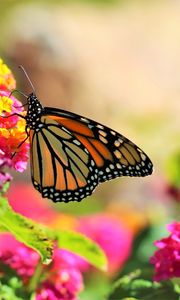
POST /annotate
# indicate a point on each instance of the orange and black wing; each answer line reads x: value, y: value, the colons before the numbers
x: 71, y: 155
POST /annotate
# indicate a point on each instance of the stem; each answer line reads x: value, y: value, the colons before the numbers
x: 35, y: 278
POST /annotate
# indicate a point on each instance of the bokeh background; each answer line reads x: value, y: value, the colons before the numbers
x: 117, y: 62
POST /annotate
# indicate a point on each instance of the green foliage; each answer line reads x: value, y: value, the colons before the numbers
x: 26, y: 231
x: 134, y: 286
x: 41, y: 239
x: 9, y: 5
x: 9, y: 291
x: 143, y: 249
x: 173, y: 167
x: 96, y: 287
x: 146, y: 240
x: 5, y: 188
x: 83, y: 246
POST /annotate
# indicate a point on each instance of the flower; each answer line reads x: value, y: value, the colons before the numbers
x: 62, y: 278
x: 112, y: 236
x: 12, y: 133
x: 55, y: 291
x: 167, y: 259
x: 7, y: 80
x: 66, y: 279
x: 17, y: 256
x: 12, y: 128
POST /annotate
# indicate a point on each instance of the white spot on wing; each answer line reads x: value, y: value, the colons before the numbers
x: 100, y: 126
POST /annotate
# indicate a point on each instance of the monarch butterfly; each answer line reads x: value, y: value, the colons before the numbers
x: 70, y: 154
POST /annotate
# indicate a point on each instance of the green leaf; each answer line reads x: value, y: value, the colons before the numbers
x: 83, y: 246
x: 8, y: 292
x: 5, y: 188
x: 134, y: 285
x: 26, y: 231
x: 172, y: 169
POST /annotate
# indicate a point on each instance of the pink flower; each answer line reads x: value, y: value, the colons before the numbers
x: 113, y: 237
x: 17, y: 256
x: 167, y: 259
x: 49, y: 291
x: 63, y: 279
x: 63, y: 256
x: 66, y: 280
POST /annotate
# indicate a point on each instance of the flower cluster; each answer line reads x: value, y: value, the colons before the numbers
x: 17, y: 256
x: 65, y: 273
x: 63, y: 279
x: 167, y: 259
x: 12, y: 127
x: 107, y: 231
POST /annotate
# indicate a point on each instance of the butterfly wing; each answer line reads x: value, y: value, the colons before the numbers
x: 61, y: 167
x: 71, y: 155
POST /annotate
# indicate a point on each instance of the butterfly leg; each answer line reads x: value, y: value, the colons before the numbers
x: 21, y: 93
x: 15, y: 114
x: 27, y: 132
x: 20, y: 145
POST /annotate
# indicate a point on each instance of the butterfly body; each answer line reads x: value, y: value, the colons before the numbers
x: 34, y: 111
x: 71, y: 154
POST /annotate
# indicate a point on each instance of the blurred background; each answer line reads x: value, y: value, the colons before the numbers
x: 118, y: 63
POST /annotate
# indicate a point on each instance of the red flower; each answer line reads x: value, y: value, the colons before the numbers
x: 167, y: 259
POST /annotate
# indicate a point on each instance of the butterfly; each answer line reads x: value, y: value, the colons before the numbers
x: 70, y: 154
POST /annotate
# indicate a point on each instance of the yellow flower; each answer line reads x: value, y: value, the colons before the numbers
x: 5, y: 104
x: 4, y: 132
x: 6, y: 77
x: 4, y: 70
x: 18, y: 130
x: 21, y: 124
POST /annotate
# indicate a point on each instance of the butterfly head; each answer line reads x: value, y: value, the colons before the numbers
x: 34, y: 111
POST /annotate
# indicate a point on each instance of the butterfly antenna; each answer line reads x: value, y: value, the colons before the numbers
x: 30, y: 82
